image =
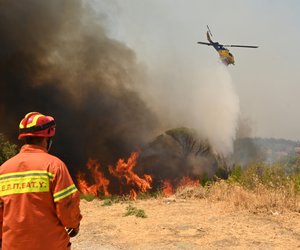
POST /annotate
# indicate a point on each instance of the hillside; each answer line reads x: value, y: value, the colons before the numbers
x: 269, y: 150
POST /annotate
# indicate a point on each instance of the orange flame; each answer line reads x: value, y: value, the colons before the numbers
x: 167, y: 188
x: 84, y: 187
x: 100, y: 182
x: 187, y: 181
x: 124, y: 170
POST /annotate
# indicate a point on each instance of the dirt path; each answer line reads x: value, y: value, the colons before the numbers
x: 184, y: 224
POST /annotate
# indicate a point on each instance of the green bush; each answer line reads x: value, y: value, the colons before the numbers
x: 204, y: 180
x: 272, y: 176
x: 107, y: 202
x: 87, y: 197
x: 131, y: 210
x: 236, y: 174
x: 7, y: 149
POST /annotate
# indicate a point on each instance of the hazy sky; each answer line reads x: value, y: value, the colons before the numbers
x: 164, y: 35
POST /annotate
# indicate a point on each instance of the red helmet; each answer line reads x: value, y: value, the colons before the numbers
x: 36, y: 124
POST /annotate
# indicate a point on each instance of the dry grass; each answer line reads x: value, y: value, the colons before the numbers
x: 190, y: 192
x: 257, y: 199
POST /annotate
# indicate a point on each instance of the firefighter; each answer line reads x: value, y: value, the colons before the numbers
x: 39, y: 201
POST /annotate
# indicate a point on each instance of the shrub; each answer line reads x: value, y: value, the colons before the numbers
x: 131, y: 210
x: 260, y: 186
x: 7, y: 149
x: 107, y: 202
x: 204, y: 180
x: 87, y: 197
x: 236, y: 174
x: 271, y: 176
x: 149, y: 195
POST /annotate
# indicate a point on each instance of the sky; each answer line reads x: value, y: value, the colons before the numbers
x: 262, y: 89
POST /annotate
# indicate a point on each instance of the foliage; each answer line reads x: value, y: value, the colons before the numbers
x: 236, y: 174
x: 149, y: 195
x: 272, y: 176
x: 204, y: 180
x: 189, y: 141
x: 291, y: 164
x: 7, y: 149
x: 107, y: 202
x: 295, y: 180
x: 131, y: 210
x: 258, y: 187
x: 87, y: 197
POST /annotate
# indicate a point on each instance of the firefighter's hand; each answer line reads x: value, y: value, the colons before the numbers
x: 72, y: 232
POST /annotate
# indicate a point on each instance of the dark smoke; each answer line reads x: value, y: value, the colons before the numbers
x: 56, y: 58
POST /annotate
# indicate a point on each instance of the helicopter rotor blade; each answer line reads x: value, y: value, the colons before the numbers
x: 209, y: 44
x: 209, y: 30
x: 241, y: 46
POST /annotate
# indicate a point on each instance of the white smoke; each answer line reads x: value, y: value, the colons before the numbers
x: 205, y: 101
x: 215, y: 109
x: 179, y: 90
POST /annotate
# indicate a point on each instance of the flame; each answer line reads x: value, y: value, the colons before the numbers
x: 187, y: 181
x: 168, y: 188
x: 128, y: 180
x: 133, y: 194
x: 84, y: 187
x: 124, y: 170
x: 100, y: 182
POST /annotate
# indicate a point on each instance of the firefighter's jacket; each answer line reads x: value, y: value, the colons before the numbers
x: 38, y: 201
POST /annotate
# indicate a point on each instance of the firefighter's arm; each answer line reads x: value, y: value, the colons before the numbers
x: 68, y: 212
x: 66, y: 198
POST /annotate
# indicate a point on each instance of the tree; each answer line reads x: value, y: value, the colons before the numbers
x: 189, y: 142
x: 178, y: 153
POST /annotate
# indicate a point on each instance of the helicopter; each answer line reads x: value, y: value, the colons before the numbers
x: 226, y: 57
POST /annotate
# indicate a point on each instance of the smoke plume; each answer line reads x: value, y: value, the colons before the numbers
x: 205, y: 101
x: 217, y: 109
x: 56, y: 58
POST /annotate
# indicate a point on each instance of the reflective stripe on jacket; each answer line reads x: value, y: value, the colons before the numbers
x: 38, y: 200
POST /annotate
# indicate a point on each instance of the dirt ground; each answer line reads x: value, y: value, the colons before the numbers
x: 184, y: 224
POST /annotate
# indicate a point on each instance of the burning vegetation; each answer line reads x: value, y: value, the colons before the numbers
x: 56, y: 58
x: 175, y: 159
x: 100, y: 182
x: 123, y: 172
